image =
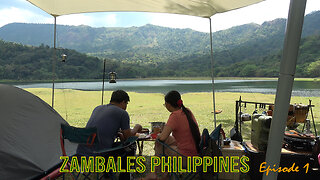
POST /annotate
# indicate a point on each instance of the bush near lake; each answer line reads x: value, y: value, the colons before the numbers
x: 76, y: 106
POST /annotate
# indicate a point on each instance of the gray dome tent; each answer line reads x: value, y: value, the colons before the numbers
x: 29, y: 135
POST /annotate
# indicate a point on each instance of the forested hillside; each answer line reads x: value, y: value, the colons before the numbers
x: 249, y: 50
x: 21, y: 62
x: 308, y: 64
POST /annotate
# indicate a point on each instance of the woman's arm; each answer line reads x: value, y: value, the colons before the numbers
x: 165, y: 133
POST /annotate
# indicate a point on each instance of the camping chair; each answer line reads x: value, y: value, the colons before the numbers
x: 209, y: 146
x: 87, y: 136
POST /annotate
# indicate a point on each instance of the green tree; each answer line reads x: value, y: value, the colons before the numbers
x: 314, y: 69
x: 248, y: 71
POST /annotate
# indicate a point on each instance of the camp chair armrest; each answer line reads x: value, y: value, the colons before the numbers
x: 167, y: 146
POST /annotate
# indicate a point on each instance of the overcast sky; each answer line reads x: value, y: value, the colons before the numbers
x: 22, y: 11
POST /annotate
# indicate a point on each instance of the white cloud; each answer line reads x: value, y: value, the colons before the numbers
x: 180, y: 21
x: 265, y: 11
x: 75, y: 19
x: 111, y: 20
x: 90, y: 19
x: 12, y: 14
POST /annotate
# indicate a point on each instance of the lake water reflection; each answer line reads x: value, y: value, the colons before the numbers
x: 301, y: 88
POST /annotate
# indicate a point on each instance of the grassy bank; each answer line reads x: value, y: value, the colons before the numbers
x: 76, y: 106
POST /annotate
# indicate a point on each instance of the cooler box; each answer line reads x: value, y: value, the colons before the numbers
x: 260, y: 131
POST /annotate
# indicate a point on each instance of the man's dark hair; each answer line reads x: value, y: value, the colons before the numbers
x: 119, y: 95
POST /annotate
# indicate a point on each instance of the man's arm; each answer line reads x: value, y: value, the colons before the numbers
x: 131, y: 132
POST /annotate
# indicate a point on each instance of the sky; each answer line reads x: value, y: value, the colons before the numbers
x: 23, y: 11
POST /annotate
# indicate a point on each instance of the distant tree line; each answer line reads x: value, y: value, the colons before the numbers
x: 20, y: 62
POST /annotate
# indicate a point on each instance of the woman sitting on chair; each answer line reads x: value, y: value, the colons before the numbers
x: 185, y: 131
x: 183, y: 126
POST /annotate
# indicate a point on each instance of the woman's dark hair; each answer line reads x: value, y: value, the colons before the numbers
x: 172, y: 98
x: 119, y: 96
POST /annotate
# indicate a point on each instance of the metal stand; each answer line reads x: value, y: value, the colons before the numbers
x: 104, y: 74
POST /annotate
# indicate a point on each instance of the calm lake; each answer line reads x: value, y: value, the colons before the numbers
x: 301, y: 88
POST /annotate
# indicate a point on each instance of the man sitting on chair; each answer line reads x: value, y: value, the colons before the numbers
x: 109, y: 120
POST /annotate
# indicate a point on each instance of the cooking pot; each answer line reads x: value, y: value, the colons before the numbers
x: 157, y: 125
x: 245, y: 117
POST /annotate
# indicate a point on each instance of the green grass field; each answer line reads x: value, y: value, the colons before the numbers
x: 76, y: 106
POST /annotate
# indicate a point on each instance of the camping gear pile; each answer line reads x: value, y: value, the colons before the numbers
x: 295, y: 138
x: 301, y: 145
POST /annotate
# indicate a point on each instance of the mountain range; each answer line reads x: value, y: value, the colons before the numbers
x: 156, y: 46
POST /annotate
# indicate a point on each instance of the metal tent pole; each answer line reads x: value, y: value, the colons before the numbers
x: 212, y: 78
x: 284, y: 87
x: 314, y: 125
x: 54, y: 59
x: 104, y: 74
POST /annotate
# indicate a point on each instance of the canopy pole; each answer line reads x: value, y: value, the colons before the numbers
x: 104, y: 74
x: 284, y: 87
x: 212, y: 78
x: 54, y: 59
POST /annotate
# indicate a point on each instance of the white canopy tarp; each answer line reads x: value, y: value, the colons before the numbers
x: 29, y: 135
x: 201, y: 8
